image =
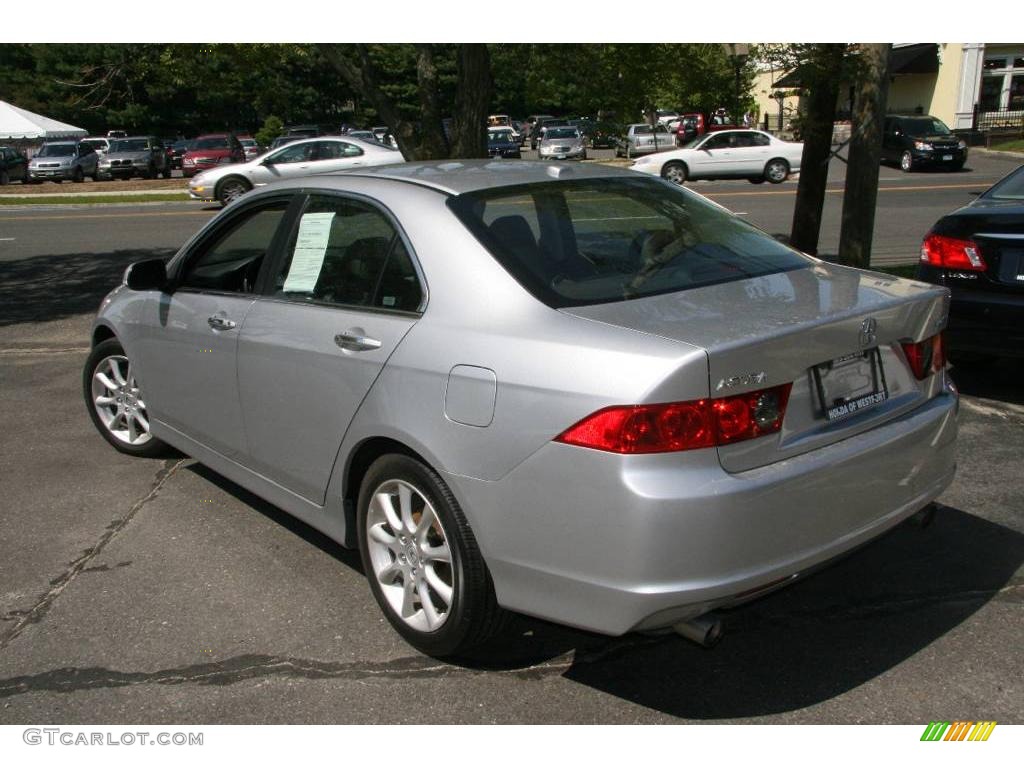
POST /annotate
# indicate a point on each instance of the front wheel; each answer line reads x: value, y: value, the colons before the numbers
x: 422, y: 560
x: 776, y: 171
x: 675, y: 172
x: 116, y: 403
x: 906, y: 162
x: 4, y: 178
x: 231, y: 189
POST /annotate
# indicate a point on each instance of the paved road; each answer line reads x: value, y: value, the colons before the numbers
x: 156, y: 591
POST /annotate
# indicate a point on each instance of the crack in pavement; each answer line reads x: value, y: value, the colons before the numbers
x: 59, y: 584
x: 251, y: 666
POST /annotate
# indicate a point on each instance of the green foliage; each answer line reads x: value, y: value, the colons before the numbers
x: 184, y: 89
x: 272, y: 128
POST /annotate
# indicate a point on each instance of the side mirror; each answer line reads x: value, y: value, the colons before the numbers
x: 148, y: 275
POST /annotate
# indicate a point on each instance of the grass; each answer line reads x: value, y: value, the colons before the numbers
x: 93, y: 199
x: 1014, y: 145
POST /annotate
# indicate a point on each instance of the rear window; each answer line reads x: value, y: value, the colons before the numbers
x: 1009, y: 188
x: 572, y: 243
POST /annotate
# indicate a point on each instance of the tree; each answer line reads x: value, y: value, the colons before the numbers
x: 861, y: 194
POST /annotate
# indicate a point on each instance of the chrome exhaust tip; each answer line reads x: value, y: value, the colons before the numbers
x: 704, y: 630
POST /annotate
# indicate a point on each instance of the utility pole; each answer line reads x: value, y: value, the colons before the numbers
x: 860, y: 196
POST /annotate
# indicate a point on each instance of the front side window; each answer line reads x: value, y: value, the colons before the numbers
x: 348, y: 253
x: 573, y: 243
x: 231, y: 260
x: 718, y: 141
x: 294, y: 153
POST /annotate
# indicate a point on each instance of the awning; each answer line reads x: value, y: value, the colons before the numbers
x: 912, y: 59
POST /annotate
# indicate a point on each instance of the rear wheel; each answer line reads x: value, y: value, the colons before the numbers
x: 776, y: 171
x: 4, y: 178
x: 674, y: 171
x: 906, y: 162
x: 422, y: 560
x: 166, y: 172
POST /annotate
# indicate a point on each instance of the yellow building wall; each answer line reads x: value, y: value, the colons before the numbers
x: 934, y: 94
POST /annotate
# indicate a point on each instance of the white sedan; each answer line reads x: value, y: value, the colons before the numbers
x: 739, y: 154
x: 323, y: 154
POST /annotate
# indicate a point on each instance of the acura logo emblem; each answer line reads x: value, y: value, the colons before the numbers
x: 868, y: 335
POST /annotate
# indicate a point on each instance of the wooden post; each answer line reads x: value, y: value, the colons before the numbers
x: 861, y: 191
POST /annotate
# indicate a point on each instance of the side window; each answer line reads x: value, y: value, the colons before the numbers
x: 293, y: 153
x: 232, y: 260
x: 348, y: 253
x: 760, y: 140
x: 719, y: 141
x: 336, y: 150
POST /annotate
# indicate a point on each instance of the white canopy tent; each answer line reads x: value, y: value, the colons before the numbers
x: 17, y: 124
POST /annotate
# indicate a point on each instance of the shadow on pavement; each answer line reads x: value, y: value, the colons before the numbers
x: 807, y: 644
x: 993, y: 380
x: 45, y: 288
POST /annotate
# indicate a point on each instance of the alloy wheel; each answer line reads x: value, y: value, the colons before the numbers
x: 906, y: 162
x: 410, y: 555
x: 231, y: 190
x: 776, y: 172
x: 675, y: 173
x: 118, y: 401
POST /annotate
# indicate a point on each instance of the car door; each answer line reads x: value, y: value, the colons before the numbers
x: 295, y: 159
x: 710, y: 159
x: 751, y: 152
x: 187, y: 351
x: 345, y: 293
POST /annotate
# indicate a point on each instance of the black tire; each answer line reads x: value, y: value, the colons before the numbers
x: 166, y: 172
x: 675, y: 171
x: 154, y: 447
x: 4, y: 178
x: 906, y: 162
x: 227, y: 189
x: 150, y: 172
x: 78, y: 177
x: 776, y: 170
x: 474, y: 615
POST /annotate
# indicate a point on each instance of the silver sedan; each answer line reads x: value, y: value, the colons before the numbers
x: 579, y: 392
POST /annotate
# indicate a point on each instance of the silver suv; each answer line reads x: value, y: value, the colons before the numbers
x: 60, y: 160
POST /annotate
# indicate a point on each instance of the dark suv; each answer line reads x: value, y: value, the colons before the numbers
x: 915, y: 141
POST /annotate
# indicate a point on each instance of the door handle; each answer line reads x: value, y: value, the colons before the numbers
x: 219, y: 323
x: 355, y: 342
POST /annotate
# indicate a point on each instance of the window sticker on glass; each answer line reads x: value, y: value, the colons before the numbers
x: 310, y: 249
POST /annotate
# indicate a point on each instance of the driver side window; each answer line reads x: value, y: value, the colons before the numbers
x: 231, y: 261
x: 721, y: 141
x: 294, y: 153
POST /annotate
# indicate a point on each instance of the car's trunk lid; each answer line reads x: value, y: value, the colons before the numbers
x: 777, y: 329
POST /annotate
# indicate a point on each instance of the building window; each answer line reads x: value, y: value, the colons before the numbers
x: 1002, y: 83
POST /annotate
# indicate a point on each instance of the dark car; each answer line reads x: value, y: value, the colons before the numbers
x: 13, y: 165
x: 917, y: 141
x: 212, y: 150
x: 978, y: 253
x: 178, y: 150
x: 502, y: 143
x: 605, y: 134
x: 134, y: 156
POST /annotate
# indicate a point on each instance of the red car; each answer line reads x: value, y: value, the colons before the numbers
x: 695, y: 124
x: 211, y: 150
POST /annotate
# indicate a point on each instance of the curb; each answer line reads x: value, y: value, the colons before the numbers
x: 111, y: 193
x: 997, y: 152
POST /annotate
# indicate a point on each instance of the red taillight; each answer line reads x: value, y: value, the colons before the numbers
x: 667, y: 427
x: 926, y: 357
x: 952, y: 253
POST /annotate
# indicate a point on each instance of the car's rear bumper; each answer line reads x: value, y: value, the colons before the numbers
x: 986, y: 322
x: 614, y: 543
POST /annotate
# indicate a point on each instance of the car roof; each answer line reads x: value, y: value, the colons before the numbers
x: 455, y: 177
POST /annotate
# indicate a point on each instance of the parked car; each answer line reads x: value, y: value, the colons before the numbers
x: 211, y: 150
x: 13, y: 166
x: 302, y: 157
x: 251, y: 148
x: 605, y: 134
x: 280, y: 141
x: 143, y: 156
x: 618, y: 406
x: 63, y: 160
x: 917, y: 141
x: 531, y: 127
x: 541, y: 126
x: 562, y: 143
x: 100, y: 144
x: 502, y: 142
x: 742, y: 154
x: 641, y: 138
x: 117, y: 134
x: 363, y: 135
x: 977, y: 252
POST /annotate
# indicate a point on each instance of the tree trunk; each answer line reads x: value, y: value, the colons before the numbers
x: 861, y: 194
x: 821, y: 74
x: 472, y: 101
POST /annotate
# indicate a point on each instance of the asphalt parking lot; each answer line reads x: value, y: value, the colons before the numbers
x: 155, y: 591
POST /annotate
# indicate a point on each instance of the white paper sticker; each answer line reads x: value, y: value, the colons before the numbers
x: 310, y: 249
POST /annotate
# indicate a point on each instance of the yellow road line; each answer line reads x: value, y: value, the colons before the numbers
x: 105, y: 215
